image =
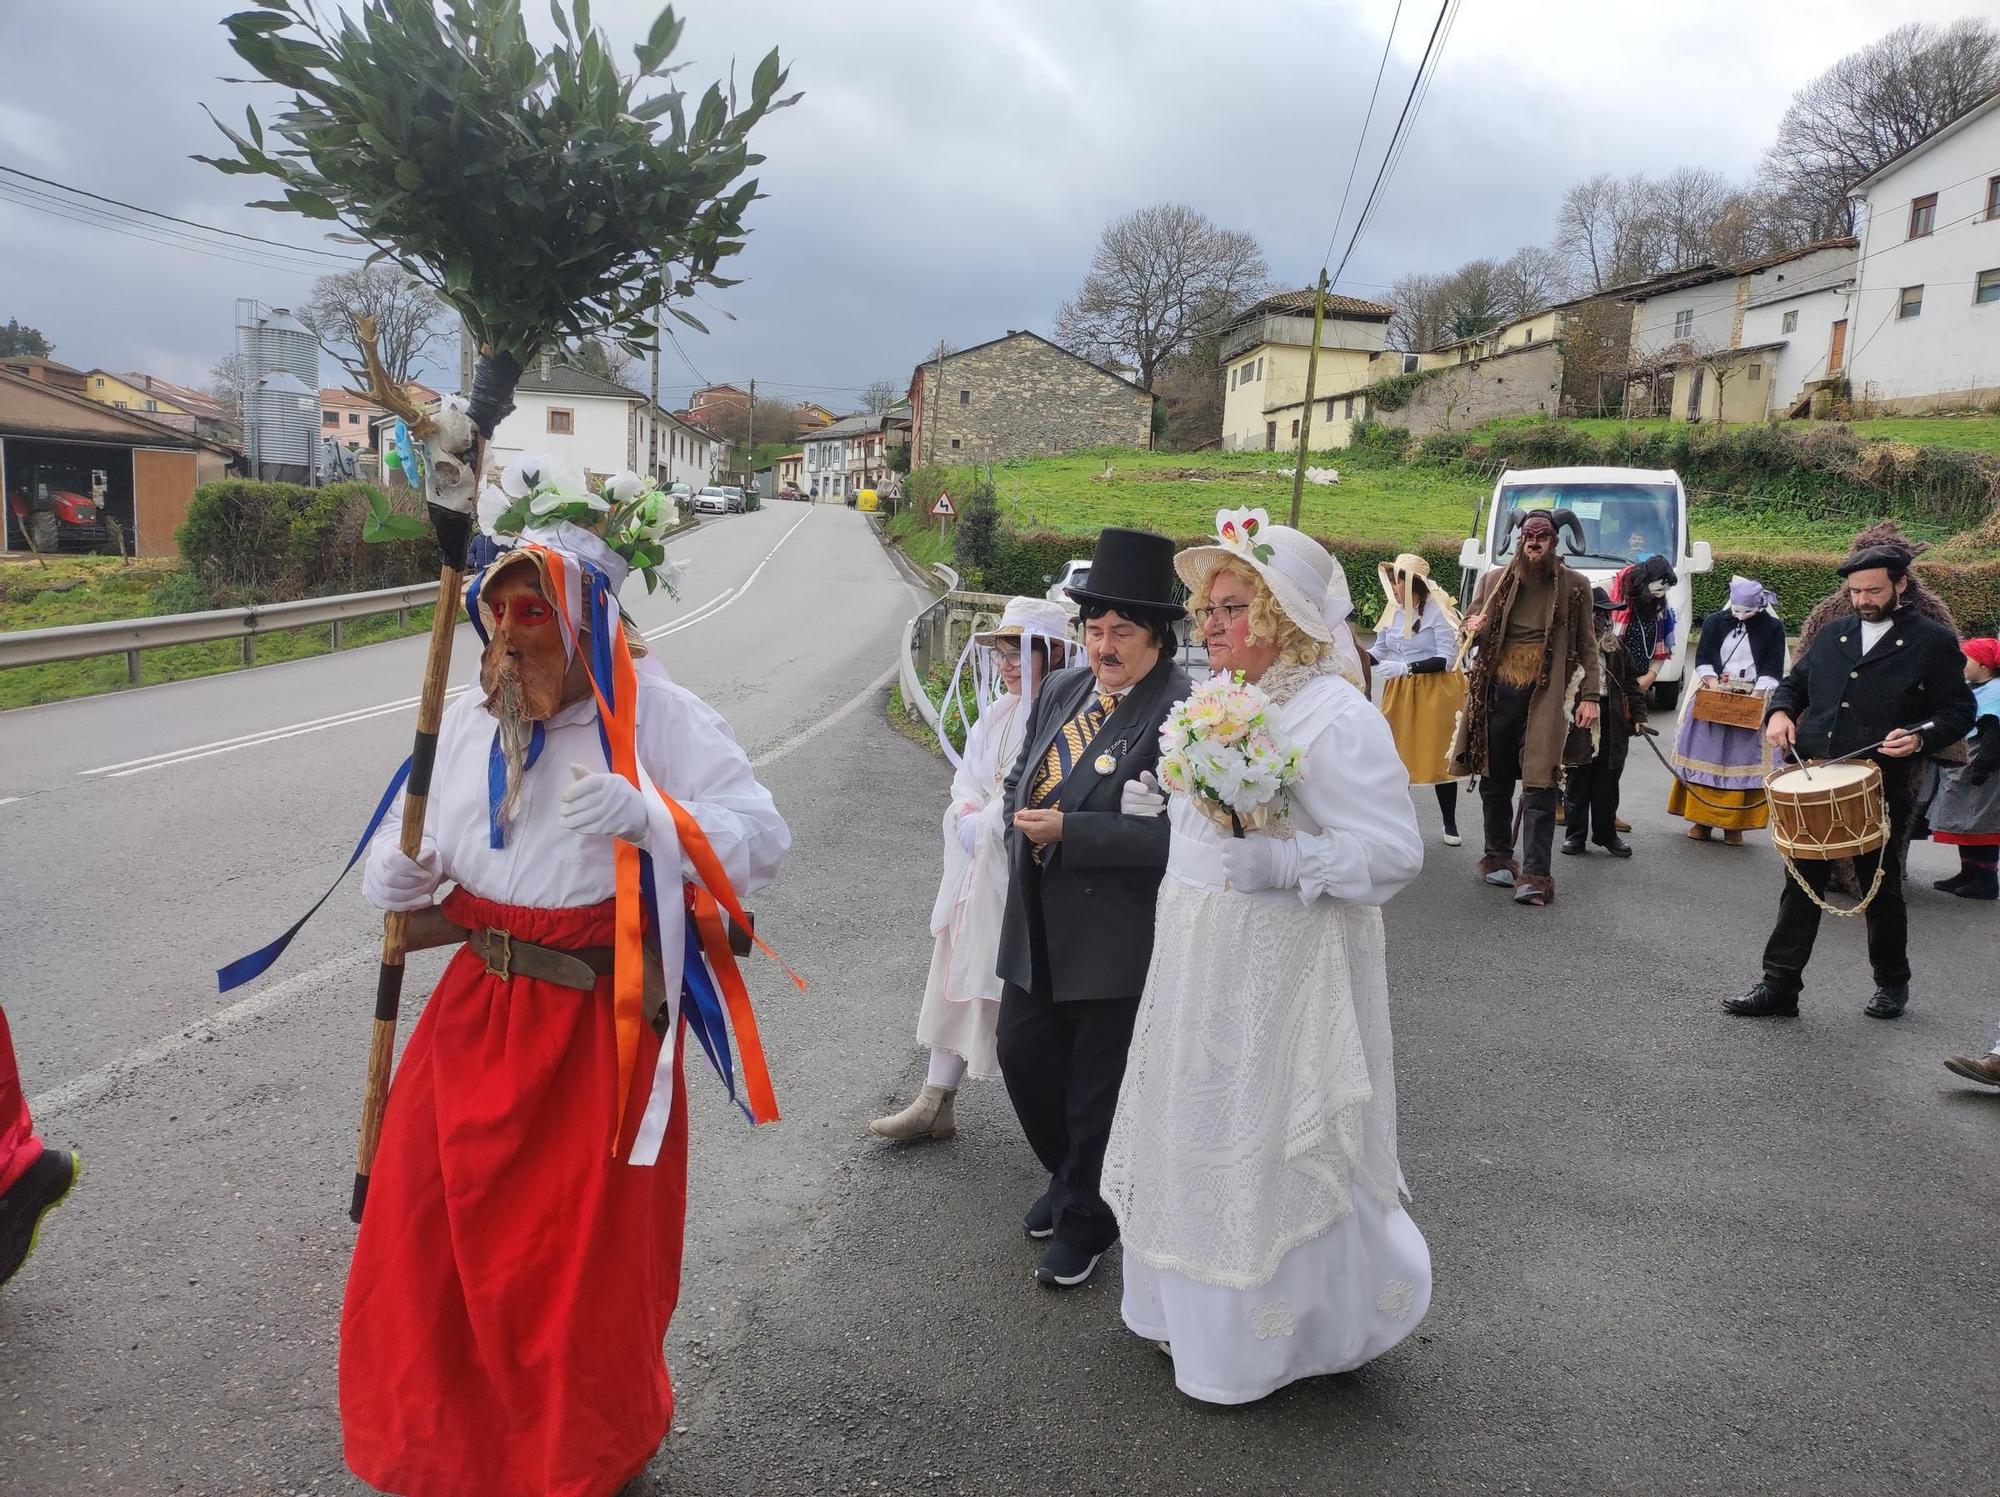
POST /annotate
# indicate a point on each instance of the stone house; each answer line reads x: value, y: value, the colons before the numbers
x: 1021, y: 396
x: 1266, y: 347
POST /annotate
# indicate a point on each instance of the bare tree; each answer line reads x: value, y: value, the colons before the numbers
x: 1873, y: 105
x: 1478, y: 299
x: 409, y: 319
x: 1160, y: 277
x: 1532, y: 278
x: 1688, y: 203
x: 879, y: 396
x: 605, y: 359
x: 1607, y: 229
x: 1422, y: 319
x: 228, y: 383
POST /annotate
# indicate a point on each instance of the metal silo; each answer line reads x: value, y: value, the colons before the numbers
x: 284, y: 411
x: 284, y: 346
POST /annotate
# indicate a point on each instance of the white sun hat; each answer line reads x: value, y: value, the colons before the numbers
x: 1035, y: 616
x: 1307, y: 580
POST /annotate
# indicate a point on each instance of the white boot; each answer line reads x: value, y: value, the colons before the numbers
x: 927, y: 1117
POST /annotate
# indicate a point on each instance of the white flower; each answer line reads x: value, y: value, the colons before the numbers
x: 546, y: 503
x: 493, y: 503
x: 523, y: 476
x: 623, y: 488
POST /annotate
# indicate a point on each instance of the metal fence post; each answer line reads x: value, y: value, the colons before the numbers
x: 132, y: 667
x: 249, y: 649
x: 337, y: 632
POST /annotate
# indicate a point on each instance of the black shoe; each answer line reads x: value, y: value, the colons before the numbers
x: 28, y: 1200
x: 1983, y: 884
x: 1889, y: 1001
x: 1762, y: 1002
x: 1064, y: 1266
x: 1618, y: 847
x: 1573, y: 847
x: 1956, y: 882
x: 1040, y: 1222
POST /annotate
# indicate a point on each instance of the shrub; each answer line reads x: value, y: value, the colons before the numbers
x: 975, y: 538
x: 249, y: 541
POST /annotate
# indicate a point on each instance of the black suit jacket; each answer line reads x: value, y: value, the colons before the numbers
x: 1843, y: 700
x: 1079, y: 924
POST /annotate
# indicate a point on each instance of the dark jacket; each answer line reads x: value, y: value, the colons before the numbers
x: 1079, y: 924
x: 1843, y: 700
x: 1623, y: 709
x: 1767, y: 642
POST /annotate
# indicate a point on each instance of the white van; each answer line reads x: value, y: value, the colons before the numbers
x: 1627, y: 514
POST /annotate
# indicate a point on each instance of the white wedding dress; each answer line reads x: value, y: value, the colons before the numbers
x: 1252, y: 1163
x: 961, y: 1007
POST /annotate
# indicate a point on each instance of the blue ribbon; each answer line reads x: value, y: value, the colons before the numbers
x: 258, y: 962
x: 496, y: 781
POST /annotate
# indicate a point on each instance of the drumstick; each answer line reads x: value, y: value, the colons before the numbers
x: 1793, y: 749
x: 1922, y: 727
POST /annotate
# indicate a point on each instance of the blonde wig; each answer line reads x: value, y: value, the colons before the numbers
x: 1268, y: 621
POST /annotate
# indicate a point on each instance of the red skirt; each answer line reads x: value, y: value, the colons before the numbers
x: 512, y: 1282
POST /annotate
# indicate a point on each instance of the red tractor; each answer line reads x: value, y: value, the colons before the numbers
x: 47, y: 506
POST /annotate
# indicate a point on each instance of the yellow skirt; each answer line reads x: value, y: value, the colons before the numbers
x: 1423, y: 714
x: 1747, y: 810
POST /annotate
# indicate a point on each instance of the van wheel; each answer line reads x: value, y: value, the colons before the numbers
x: 1664, y: 695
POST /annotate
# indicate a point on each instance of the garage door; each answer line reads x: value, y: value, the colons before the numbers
x: 162, y: 489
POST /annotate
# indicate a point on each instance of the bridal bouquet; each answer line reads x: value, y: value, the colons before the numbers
x: 1221, y: 748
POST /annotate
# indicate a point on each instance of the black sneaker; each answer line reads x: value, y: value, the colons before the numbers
x: 1889, y: 1001
x: 28, y: 1200
x: 1763, y: 1002
x: 1040, y: 1222
x: 1064, y: 1266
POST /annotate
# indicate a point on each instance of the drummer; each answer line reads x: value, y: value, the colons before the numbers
x: 1881, y: 683
x: 1743, y: 647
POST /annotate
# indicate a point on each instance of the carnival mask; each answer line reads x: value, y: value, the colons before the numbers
x: 525, y: 669
x: 1738, y: 611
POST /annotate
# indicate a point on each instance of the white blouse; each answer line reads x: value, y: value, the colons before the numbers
x: 1434, y: 636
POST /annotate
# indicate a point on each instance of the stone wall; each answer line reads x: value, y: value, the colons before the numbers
x: 1021, y: 397
x: 1525, y: 382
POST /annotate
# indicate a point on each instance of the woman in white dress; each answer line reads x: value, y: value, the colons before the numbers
x: 1252, y: 1164
x: 961, y: 1007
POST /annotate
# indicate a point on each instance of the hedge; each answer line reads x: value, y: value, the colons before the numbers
x: 251, y: 541
x: 1970, y: 590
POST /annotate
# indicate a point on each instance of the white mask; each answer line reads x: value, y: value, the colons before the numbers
x: 1658, y: 589
x: 1743, y: 613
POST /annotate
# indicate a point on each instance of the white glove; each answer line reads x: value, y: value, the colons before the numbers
x: 1703, y: 674
x: 1765, y: 685
x: 1259, y: 862
x: 393, y: 881
x: 1388, y: 670
x: 1142, y: 797
x: 968, y: 828
x: 604, y: 805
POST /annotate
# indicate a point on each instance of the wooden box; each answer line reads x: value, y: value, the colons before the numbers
x: 1732, y: 709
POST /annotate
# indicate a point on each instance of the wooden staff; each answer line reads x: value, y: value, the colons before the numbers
x: 453, y: 532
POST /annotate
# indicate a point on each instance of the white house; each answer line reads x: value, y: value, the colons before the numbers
x: 687, y: 454
x: 1265, y: 350
x: 1924, y: 331
x: 1704, y: 307
x: 1797, y: 327
x: 600, y: 427
x: 833, y: 455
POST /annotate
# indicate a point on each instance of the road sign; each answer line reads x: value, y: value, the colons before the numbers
x: 942, y: 509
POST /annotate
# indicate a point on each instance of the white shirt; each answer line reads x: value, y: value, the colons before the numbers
x: 1870, y: 633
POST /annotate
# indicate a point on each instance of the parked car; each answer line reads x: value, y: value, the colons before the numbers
x: 793, y: 492
x: 1075, y: 573
x: 711, y: 502
x: 1626, y: 515
x: 734, y: 496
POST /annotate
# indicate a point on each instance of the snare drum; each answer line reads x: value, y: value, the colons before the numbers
x: 1834, y: 811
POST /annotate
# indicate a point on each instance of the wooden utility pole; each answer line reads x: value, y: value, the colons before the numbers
x: 1306, y: 415
x: 653, y: 420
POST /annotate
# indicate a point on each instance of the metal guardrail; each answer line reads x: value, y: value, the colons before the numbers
x: 128, y: 637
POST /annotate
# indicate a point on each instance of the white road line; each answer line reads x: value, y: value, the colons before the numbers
x: 94, y: 1083
x: 254, y: 740
x: 799, y: 740
x: 692, y: 618
x: 736, y: 594
x: 8, y: 800
x: 316, y: 722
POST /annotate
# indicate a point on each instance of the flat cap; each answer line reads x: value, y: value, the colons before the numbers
x: 1893, y: 559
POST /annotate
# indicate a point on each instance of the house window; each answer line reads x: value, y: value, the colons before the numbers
x: 1410, y: 362
x: 330, y: 418
x: 1270, y: 436
x: 1923, y: 215
x: 1528, y: 337
x: 1295, y: 429
x: 1912, y: 303
x: 1993, y: 197
x: 1683, y: 326
x: 1987, y: 286
x: 1756, y: 373
x: 1260, y: 368
x: 965, y: 397
x: 1329, y: 412
x: 562, y: 423
x: 1349, y: 412
x: 1232, y: 379
x: 354, y: 418
x: 152, y: 405
x: 100, y: 382
x: 119, y: 403
x: 954, y: 444
x: 1791, y: 323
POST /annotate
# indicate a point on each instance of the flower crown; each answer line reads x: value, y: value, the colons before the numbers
x: 628, y: 510
x: 1237, y: 530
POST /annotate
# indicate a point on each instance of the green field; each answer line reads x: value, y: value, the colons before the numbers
x: 90, y: 589
x: 1961, y: 433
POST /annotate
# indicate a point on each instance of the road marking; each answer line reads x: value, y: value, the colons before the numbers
x: 94, y: 1083
x: 799, y: 740
x: 735, y: 594
x: 692, y: 618
x: 8, y: 800
x: 251, y: 740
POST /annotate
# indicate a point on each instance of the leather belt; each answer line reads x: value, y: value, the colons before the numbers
x: 507, y: 956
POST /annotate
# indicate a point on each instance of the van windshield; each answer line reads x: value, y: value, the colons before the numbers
x: 1622, y: 522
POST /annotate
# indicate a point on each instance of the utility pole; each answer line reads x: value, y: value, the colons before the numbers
x: 653, y: 418
x: 750, y: 437
x: 1306, y: 415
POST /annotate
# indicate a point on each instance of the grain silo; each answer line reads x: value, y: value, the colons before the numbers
x: 281, y: 395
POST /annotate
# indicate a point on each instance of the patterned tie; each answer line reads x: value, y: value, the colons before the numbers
x: 1068, y: 748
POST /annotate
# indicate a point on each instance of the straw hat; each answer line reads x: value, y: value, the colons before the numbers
x: 1396, y: 578
x: 1037, y: 616
x: 1305, y: 579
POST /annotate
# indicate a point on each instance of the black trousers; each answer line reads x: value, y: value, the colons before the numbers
x: 1063, y: 1063
x: 1791, y: 943
x: 1506, y: 730
x: 1590, y: 792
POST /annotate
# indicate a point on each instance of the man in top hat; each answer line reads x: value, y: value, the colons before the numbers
x: 1077, y: 936
x: 1890, y: 681
x: 1535, y: 672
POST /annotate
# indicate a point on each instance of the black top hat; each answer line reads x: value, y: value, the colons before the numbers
x: 1131, y: 570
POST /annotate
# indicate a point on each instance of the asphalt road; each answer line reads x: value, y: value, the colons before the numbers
x: 1675, y: 1252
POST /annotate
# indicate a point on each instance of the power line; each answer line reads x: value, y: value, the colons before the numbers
x: 1360, y: 140
x: 148, y: 238
x: 15, y: 171
x: 176, y: 238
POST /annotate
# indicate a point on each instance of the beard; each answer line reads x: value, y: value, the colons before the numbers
x: 1541, y: 568
x: 506, y: 701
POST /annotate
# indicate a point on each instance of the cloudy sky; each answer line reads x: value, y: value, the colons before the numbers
x: 951, y: 165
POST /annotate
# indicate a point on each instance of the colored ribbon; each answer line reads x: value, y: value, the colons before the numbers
x: 496, y: 782
x: 258, y: 962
